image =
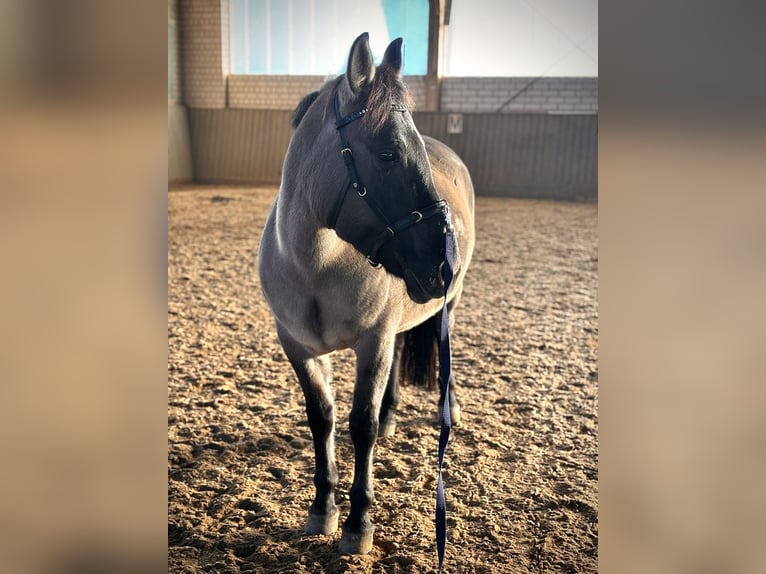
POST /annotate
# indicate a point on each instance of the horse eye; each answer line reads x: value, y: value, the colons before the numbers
x: 387, y: 156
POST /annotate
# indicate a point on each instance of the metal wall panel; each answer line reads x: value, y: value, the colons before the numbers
x: 239, y: 145
x: 518, y: 155
x: 179, y: 152
x: 524, y: 155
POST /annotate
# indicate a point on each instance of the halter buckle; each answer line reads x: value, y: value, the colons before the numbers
x: 418, y: 216
x: 375, y: 264
x: 346, y: 150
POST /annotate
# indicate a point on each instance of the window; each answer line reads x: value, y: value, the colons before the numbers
x: 522, y: 38
x: 313, y: 37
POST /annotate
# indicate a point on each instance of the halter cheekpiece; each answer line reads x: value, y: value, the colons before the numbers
x: 392, y: 229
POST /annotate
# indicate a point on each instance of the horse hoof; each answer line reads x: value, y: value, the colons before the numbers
x: 356, y: 543
x: 455, y: 414
x: 322, y: 523
x: 387, y: 428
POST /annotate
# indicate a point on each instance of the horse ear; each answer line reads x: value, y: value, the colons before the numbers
x: 393, y: 55
x: 361, y: 68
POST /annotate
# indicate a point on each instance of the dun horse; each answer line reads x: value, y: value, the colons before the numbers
x: 351, y: 257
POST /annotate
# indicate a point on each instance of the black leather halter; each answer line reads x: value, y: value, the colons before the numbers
x: 391, y: 229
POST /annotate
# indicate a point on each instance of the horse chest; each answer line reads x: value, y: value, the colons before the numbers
x: 330, y: 317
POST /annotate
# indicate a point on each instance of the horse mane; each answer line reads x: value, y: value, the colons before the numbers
x: 303, y: 107
x: 387, y: 90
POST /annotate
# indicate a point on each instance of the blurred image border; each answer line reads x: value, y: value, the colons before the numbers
x: 682, y: 241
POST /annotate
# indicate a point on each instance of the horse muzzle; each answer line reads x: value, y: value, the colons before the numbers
x: 423, y: 290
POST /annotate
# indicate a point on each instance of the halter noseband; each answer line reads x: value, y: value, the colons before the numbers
x: 391, y: 229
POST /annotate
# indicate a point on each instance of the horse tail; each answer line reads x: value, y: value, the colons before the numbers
x: 418, y: 364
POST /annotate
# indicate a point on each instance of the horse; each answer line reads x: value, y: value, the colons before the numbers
x: 362, y: 269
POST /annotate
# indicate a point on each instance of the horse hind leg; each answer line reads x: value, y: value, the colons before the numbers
x: 387, y: 425
x: 314, y: 375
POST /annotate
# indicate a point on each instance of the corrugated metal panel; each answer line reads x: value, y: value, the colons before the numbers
x: 524, y: 155
x: 179, y: 151
x: 238, y: 145
x: 520, y: 155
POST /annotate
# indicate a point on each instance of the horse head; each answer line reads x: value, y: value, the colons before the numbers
x: 383, y: 199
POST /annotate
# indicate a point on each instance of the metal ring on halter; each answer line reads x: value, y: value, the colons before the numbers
x: 363, y: 192
x: 346, y: 150
x: 418, y: 215
x: 375, y: 264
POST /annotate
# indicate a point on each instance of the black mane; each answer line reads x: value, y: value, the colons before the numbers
x: 303, y: 107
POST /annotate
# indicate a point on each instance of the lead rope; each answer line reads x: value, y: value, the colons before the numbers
x: 445, y: 371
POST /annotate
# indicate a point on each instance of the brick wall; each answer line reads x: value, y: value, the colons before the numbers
x: 179, y: 143
x: 482, y: 95
x: 174, y: 59
x: 284, y: 92
x: 563, y: 95
x: 417, y: 87
x: 204, y: 52
x: 270, y: 92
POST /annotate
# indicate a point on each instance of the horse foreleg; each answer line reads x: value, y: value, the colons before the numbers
x: 314, y: 375
x: 391, y: 396
x: 374, y: 358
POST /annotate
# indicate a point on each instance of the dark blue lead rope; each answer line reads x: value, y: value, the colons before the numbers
x: 445, y: 370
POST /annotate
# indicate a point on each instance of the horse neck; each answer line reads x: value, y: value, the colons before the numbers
x: 301, y: 219
x: 312, y: 179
